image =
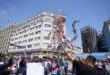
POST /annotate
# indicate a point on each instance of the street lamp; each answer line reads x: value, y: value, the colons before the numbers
x: 18, y: 46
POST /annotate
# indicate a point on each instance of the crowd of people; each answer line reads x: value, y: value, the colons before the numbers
x: 56, y: 66
x: 17, y: 66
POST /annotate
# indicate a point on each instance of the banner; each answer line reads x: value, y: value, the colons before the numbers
x: 35, y: 69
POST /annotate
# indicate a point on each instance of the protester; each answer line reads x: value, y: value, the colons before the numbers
x: 4, y: 67
x: 107, y: 66
x: 61, y: 67
x: 46, y: 64
x: 86, y: 67
x: 22, y: 67
x: 65, y: 63
x: 13, y: 69
x: 54, y: 67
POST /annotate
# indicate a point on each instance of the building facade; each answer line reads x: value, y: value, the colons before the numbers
x: 33, y: 36
x: 77, y: 49
x: 106, y: 33
x: 5, y: 35
x: 89, y: 39
x: 101, y: 43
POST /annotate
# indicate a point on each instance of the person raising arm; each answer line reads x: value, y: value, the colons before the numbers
x: 84, y: 67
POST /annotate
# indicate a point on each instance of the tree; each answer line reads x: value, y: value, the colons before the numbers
x: 2, y: 55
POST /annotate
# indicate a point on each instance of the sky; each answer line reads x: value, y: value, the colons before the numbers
x: 88, y: 12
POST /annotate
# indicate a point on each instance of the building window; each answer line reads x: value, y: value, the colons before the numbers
x: 17, y: 34
x: 20, y: 37
x: 36, y: 27
x: 30, y: 40
x: 34, y: 23
x: 37, y: 38
x: 15, y: 43
x: 46, y: 38
x: 29, y: 46
x: 47, y: 30
x: 25, y: 31
x: 16, y: 38
x: 14, y: 48
x: 17, y: 30
x: 24, y: 27
x: 19, y: 42
x: 24, y: 41
x: 32, y: 28
x: 39, y: 26
x: 28, y: 26
x: 37, y: 44
x: 12, y: 39
x: 25, y: 35
x: 37, y: 32
x: 20, y: 47
x: 12, y: 35
x: 47, y: 19
x: 21, y: 32
x: 10, y: 48
x: 31, y: 33
x: 40, y: 20
x: 45, y: 44
x: 47, y: 25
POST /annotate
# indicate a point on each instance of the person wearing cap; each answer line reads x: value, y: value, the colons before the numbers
x: 85, y: 67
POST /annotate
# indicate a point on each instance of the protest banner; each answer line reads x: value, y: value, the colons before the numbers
x: 35, y: 69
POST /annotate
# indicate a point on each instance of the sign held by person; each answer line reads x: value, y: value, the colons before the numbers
x: 35, y: 69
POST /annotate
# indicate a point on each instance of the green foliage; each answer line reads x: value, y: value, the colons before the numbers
x: 2, y: 55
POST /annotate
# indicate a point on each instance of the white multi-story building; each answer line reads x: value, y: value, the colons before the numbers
x: 33, y: 34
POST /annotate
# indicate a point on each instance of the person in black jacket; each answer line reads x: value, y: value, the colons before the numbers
x: 87, y: 66
x: 4, y: 67
x: 22, y: 67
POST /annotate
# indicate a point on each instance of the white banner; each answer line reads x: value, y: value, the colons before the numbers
x: 35, y: 69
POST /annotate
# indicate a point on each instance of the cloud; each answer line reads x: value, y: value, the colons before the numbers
x: 12, y: 7
x: 3, y: 13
